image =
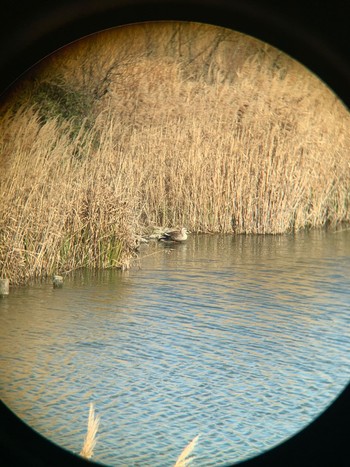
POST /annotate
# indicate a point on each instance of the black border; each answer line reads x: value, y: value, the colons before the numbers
x: 314, y: 32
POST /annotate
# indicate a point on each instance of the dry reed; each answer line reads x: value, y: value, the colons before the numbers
x: 90, y: 438
x: 87, y: 451
x: 60, y: 212
x: 260, y: 149
x: 186, y: 457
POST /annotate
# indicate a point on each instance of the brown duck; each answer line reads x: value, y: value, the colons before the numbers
x: 175, y: 235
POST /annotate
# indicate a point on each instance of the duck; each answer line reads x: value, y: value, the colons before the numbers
x: 175, y: 235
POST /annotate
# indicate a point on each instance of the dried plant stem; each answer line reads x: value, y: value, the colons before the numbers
x: 90, y: 438
x: 186, y: 457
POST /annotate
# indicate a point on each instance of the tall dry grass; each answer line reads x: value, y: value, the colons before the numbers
x: 60, y: 209
x: 265, y: 151
x: 262, y: 155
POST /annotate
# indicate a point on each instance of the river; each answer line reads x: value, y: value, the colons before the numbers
x: 241, y: 339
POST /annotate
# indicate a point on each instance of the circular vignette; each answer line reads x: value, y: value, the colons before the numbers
x: 316, y: 34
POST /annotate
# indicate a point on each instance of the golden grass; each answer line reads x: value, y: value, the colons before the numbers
x: 215, y: 156
x: 186, y: 457
x: 90, y: 438
x: 263, y: 149
x: 60, y: 212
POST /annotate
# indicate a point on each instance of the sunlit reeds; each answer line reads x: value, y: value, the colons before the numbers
x: 60, y: 211
x: 266, y: 151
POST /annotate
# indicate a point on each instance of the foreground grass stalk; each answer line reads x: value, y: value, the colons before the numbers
x: 186, y: 457
x: 90, y: 438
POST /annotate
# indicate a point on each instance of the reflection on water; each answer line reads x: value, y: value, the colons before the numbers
x: 241, y: 339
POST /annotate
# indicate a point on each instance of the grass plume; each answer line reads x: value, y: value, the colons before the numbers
x: 90, y: 438
x: 186, y: 457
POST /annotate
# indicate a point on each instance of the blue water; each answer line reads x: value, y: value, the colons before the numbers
x: 241, y: 339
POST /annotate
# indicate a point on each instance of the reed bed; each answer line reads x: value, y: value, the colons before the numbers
x: 263, y: 149
x: 61, y: 211
x: 232, y: 158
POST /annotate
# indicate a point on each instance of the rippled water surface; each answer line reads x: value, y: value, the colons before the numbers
x: 243, y: 340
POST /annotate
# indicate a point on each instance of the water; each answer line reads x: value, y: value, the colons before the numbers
x: 243, y: 340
